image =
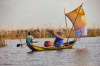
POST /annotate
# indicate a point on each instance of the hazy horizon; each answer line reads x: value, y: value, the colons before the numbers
x: 32, y: 13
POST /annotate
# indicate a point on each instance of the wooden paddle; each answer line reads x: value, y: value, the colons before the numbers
x: 18, y: 45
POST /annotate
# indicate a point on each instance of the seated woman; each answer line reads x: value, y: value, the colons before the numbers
x: 59, y: 38
x: 58, y: 42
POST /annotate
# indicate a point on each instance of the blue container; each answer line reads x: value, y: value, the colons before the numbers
x: 53, y: 46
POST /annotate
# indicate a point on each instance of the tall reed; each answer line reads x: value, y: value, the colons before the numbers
x: 42, y: 32
x: 2, y: 39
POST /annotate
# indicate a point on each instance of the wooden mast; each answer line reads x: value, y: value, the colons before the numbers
x: 65, y: 19
x: 66, y: 25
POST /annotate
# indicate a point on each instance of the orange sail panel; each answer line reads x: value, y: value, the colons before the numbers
x: 79, y: 21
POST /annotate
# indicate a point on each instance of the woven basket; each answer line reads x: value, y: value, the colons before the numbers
x: 48, y: 44
x: 58, y: 34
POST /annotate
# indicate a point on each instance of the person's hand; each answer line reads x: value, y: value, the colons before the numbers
x: 57, y: 43
x: 36, y: 41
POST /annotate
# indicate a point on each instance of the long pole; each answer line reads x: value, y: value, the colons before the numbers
x: 21, y: 43
x: 74, y: 23
x: 65, y: 22
x: 65, y: 19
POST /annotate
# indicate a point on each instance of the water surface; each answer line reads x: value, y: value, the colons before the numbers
x: 85, y: 52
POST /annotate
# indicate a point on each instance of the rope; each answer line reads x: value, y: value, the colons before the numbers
x: 61, y: 22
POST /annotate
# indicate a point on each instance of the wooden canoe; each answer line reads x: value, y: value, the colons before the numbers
x: 42, y: 48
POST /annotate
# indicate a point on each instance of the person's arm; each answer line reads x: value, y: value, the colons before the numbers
x: 33, y: 41
x: 26, y: 41
x: 55, y: 40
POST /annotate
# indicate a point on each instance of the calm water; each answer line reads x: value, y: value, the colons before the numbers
x: 86, y: 52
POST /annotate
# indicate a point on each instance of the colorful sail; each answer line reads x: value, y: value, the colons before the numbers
x: 79, y: 21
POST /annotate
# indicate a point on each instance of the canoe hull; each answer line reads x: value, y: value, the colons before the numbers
x: 42, y: 48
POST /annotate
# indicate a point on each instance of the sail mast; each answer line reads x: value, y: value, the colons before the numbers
x: 65, y: 19
x: 66, y: 24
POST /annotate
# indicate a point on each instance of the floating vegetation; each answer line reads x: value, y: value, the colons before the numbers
x: 2, y: 41
x: 2, y: 38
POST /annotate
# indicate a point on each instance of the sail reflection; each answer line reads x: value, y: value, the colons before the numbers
x: 81, y: 57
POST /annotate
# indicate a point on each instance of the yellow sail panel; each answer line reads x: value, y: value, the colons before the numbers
x: 77, y: 17
x: 84, y: 19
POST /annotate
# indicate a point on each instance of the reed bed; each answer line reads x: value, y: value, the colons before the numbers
x: 42, y: 33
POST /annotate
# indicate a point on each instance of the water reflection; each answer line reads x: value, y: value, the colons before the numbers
x: 81, y: 57
x: 31, y: 52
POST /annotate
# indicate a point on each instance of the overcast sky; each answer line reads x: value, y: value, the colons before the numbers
x: 29, y: 13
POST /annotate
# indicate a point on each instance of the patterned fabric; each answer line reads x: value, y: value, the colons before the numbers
x: 58, y: 45
x: 79, y: 21
x: 81, y: 32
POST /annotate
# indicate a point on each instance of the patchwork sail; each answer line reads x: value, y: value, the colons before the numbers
x: 78, y: 19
